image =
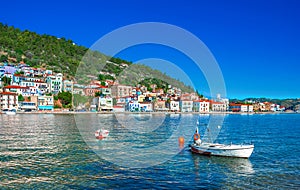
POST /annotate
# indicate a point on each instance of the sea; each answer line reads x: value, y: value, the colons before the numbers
x: 142, y: 151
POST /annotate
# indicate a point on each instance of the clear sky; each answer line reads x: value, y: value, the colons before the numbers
x: 255, y: 42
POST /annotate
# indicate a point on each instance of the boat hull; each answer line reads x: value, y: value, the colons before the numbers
x: 210, y: 149
x: 10, y: 113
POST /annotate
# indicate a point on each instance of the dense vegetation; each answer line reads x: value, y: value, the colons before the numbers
x: 60, y: 55
x: 75, y: 62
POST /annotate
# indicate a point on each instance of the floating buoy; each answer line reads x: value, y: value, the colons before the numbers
x: 196, y: 136
x: 181, y: 142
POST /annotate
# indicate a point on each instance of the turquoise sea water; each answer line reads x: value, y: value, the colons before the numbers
x: 49, y: 151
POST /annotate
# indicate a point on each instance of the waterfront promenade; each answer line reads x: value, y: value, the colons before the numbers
x: 128, y: 112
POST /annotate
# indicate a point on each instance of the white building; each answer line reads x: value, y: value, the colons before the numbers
x: 250, y: 108
x: 218, y: 106
x: 174, y: 106
x: 201, y: 105
x: 223, y: 100
x: 246, y: 108
x: 9, y: 100
x: 23, y: 90
x: 67, y: 86
x: 118, y: 108
x: 45, y: 103
x: 133, y: 106
x: 146, y: 107
x: 55, y: 83
x: 103, y: 103
x: 186, y: 105
x: 105, y: 91
x: 28, y: 106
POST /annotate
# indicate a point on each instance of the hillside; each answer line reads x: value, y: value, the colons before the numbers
x: 63, y: 55
x: 288, y: 103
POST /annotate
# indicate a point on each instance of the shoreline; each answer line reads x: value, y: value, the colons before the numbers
x: 166, y: 113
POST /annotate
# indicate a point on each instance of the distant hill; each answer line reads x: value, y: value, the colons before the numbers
x: 63, y: 55
x: 288, y: 103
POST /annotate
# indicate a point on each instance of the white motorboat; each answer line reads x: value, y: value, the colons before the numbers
x: 232, y: 150
x: 215, y: 149
x: 10, y: 112
x: 101, y: 134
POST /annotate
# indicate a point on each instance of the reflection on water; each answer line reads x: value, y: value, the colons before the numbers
x: 237, y: 166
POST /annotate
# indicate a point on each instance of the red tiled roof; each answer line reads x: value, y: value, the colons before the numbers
x: 118, y: 107
x: 201, y: 101
x: 18, y: 75
x: 185, y: 95
x: 212, y: 102
x: 15, y: 86
x: 8, y: 93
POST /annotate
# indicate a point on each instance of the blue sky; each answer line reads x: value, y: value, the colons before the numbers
x: 256, y: 43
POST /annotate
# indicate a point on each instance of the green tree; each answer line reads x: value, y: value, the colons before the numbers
x: 65, y: 98
x: 6, y: 80
x: 97, y: 94
x: 3, y: 58
x: 20, y: 98
x: 103, y: 83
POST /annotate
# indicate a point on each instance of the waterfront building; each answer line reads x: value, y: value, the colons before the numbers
x: 256, y: 107
x: 118, y: 108
x: 45, y: 103
x: 27, y: 106
x: 235, y: 107
x: 262, y: 107
x: 103, y: 103
x: 146, y: 107
x: 223, y: 100
x: 29, y: 103
x: 201, y: 105
x: 241, y: 107
x: 9, y: 100
x: 160, y: 105
x: 250, y: 108
x: 196, y: 106
x: 186, y: 105
x: 267, y: 106
x: 218, y: 106
x: 133, y: 106
x: 174, y: 105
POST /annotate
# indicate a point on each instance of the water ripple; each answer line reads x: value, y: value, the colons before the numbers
x: 47, y: 151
